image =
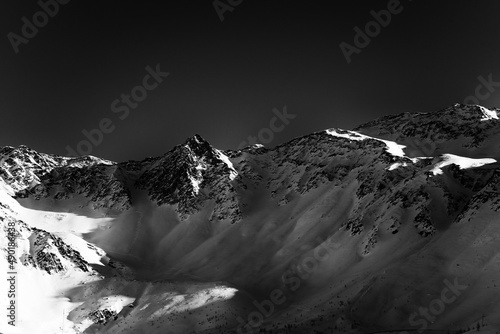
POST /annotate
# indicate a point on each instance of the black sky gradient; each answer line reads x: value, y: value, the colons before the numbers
x: 226, y: 77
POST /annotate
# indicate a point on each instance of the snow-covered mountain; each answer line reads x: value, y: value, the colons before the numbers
x: 391, y: 227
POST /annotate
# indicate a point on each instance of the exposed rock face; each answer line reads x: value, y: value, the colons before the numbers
x: 49, y: 250
x: 468, y: 130
x: 188, y: 176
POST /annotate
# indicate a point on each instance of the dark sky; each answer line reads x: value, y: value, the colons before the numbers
x: 225, y: 77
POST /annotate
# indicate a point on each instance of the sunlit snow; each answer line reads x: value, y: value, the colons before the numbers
x: 488, y: 114
x: 462, y: 162
x: 229, y: 164
x: 392, y: 147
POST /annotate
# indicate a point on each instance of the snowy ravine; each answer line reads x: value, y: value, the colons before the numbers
x: 391, y: 227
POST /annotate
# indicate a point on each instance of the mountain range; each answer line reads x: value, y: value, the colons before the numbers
x: 391, y: 227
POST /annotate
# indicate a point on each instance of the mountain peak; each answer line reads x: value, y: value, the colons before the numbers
x: 19, y: 149
x: 198, y: 145
x: 196, y: 138
x: 472, y: 111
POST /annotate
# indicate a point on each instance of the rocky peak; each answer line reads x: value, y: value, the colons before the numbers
x: 198, y: 145
x: 22, y: 167
x: 188, y: 175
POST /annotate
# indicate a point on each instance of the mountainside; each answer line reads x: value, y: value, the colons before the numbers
x: 391, y: 227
